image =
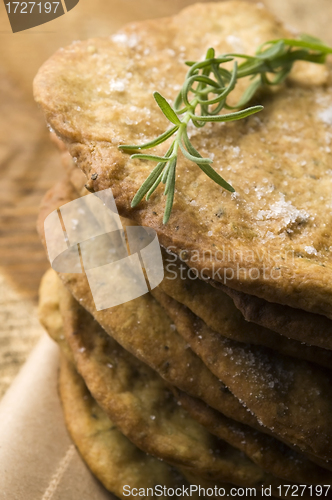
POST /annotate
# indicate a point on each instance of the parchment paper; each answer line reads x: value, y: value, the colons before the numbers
x: 38, y: 460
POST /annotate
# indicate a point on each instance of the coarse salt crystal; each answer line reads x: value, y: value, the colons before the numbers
x: 118, y: 85
x: 326, y: 115
x: 121, y: 38
x: 310, y: 250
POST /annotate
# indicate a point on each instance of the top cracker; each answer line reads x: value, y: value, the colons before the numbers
x: 272, y: 237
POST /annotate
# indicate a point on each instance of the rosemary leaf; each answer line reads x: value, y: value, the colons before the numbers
x: 307, y: 42
x: 147, y: 184
x: 140, y: 156
x: 247, y: 94
x: 195, y: 159
x: 170, y: 198
x: 159, y: 140
x: 166, y: 108
x: 170, y: 175
x: 238, y: 115
x: 154, y: 187
x: 205, y: 167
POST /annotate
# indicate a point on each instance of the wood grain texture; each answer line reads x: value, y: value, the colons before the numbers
x: 29, y: 163
x: 19, y: 332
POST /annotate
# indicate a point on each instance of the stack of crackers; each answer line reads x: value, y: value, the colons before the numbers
x: 220, y: 376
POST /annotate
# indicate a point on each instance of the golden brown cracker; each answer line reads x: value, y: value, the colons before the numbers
x: 98, y: 94
x: 291, y: 397
x: 220, y: 310
x: 107, y: 452
x: 266, y: 451
x: 143, y: 409
x: 313, y: 329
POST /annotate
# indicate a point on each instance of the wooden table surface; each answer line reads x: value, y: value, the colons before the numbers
x: 29, y: 163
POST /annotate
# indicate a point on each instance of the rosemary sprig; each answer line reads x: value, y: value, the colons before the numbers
x: 207, y: 86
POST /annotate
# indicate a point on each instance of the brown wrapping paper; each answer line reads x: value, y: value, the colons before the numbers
x: 38, y: 460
